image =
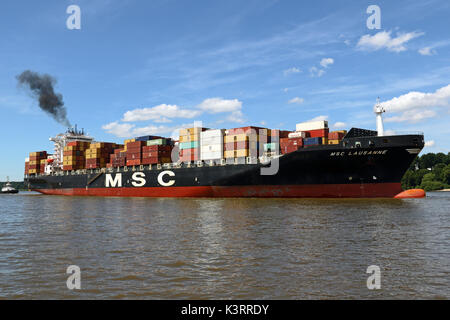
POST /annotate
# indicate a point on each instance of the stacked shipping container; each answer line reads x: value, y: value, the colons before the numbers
x: 211, y: 144
x: 195, y: 144
x: 245, y: 142
x: 134, y: 152
x: 335, y: 137
x: 190, y: 144
x: 157, y: 151
x: 98, y: 154
x: 118, y: 158
x: 34, y: 165
x: 74, y: 157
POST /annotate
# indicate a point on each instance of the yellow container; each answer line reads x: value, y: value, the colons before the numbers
x: 242, y: 153
x: 324, y: 140
x: 97, y: 145
x: 93, y: 156
x: 333, y: 141
x: 43, y: 161
x: 34, y: 162
x: 229, y: 154
x: 32, y: 171
x: 236, y: 137
x: 195, y: 130
x: 190, y: 138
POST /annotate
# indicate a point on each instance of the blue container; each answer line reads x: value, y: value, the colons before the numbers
x: 146, y: 138
x: 189, y: 145
x: 312, y: 141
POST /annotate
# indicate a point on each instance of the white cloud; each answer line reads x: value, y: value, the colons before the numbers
x: 339, y: 125
x: 429, y: 143
x: 291, y: 71
x: 414, y: 99
x: 151, y: 130
x: 416, y: 106
x: 326, y: 61
x: 316, y: 72
x: 296, y: 100
x: 412, y: 116
x: 158, y: 113
x: 121, y: 130
x: 236, y: 116
x: 219, y: 105
x: 383, y: 40
x: 164, y: 113
x: 126, y: 130
x: 319, y: 118
x: 427, y: 51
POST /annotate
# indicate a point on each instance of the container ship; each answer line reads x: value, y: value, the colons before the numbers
x: 311, y: 161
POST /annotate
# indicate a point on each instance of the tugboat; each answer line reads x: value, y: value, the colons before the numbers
x: 7, y: 188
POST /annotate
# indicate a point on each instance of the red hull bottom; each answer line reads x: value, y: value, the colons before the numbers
x: 369, y: 190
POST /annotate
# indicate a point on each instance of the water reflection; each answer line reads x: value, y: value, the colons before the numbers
x: 223, y: 248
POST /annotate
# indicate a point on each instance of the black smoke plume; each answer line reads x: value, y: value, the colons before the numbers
x: 41, y: 87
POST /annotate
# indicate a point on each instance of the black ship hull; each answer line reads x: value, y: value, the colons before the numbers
x: 357, y: 167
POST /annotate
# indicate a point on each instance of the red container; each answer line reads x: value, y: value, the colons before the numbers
x: 156, y: 148
x: 155, y: 160
x: 133, y: 162
x: 296, y: 141
x: 134, y: 156
x: 334, y: 135
x: 281, y: 134
x: 246, y: 130
x: 320, y: 133
x: 135, y: 144
x: 290, y: 145
x: 156, y: 154
x: 134, y: 150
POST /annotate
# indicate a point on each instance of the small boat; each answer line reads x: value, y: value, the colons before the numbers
x: 7, y: 188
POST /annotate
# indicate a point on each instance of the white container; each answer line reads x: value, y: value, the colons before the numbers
x: 211, y: 140
x: 211, y: 155
x: 311, y: 125
x: 298, y: 134
x: 212, y: 148
x: 212, y: 133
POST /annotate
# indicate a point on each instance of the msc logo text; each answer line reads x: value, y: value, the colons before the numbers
x: 139, y: 180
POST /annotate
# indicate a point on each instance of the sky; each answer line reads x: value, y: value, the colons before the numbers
x: 150, y: 67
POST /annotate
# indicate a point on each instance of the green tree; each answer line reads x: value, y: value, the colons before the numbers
x: 446, y: 174
x: 427, y: 161
x: 437, y: 170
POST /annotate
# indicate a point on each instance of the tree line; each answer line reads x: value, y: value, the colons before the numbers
x: 430, y: 171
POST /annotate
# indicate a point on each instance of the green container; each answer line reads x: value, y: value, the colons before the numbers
x: 157, y: 142
x: 189, y: 145
x: 270, y: 146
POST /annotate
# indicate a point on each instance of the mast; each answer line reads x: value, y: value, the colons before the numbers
x: 379, y: 110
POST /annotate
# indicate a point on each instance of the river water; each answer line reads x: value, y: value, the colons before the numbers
x: 137, y: 248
